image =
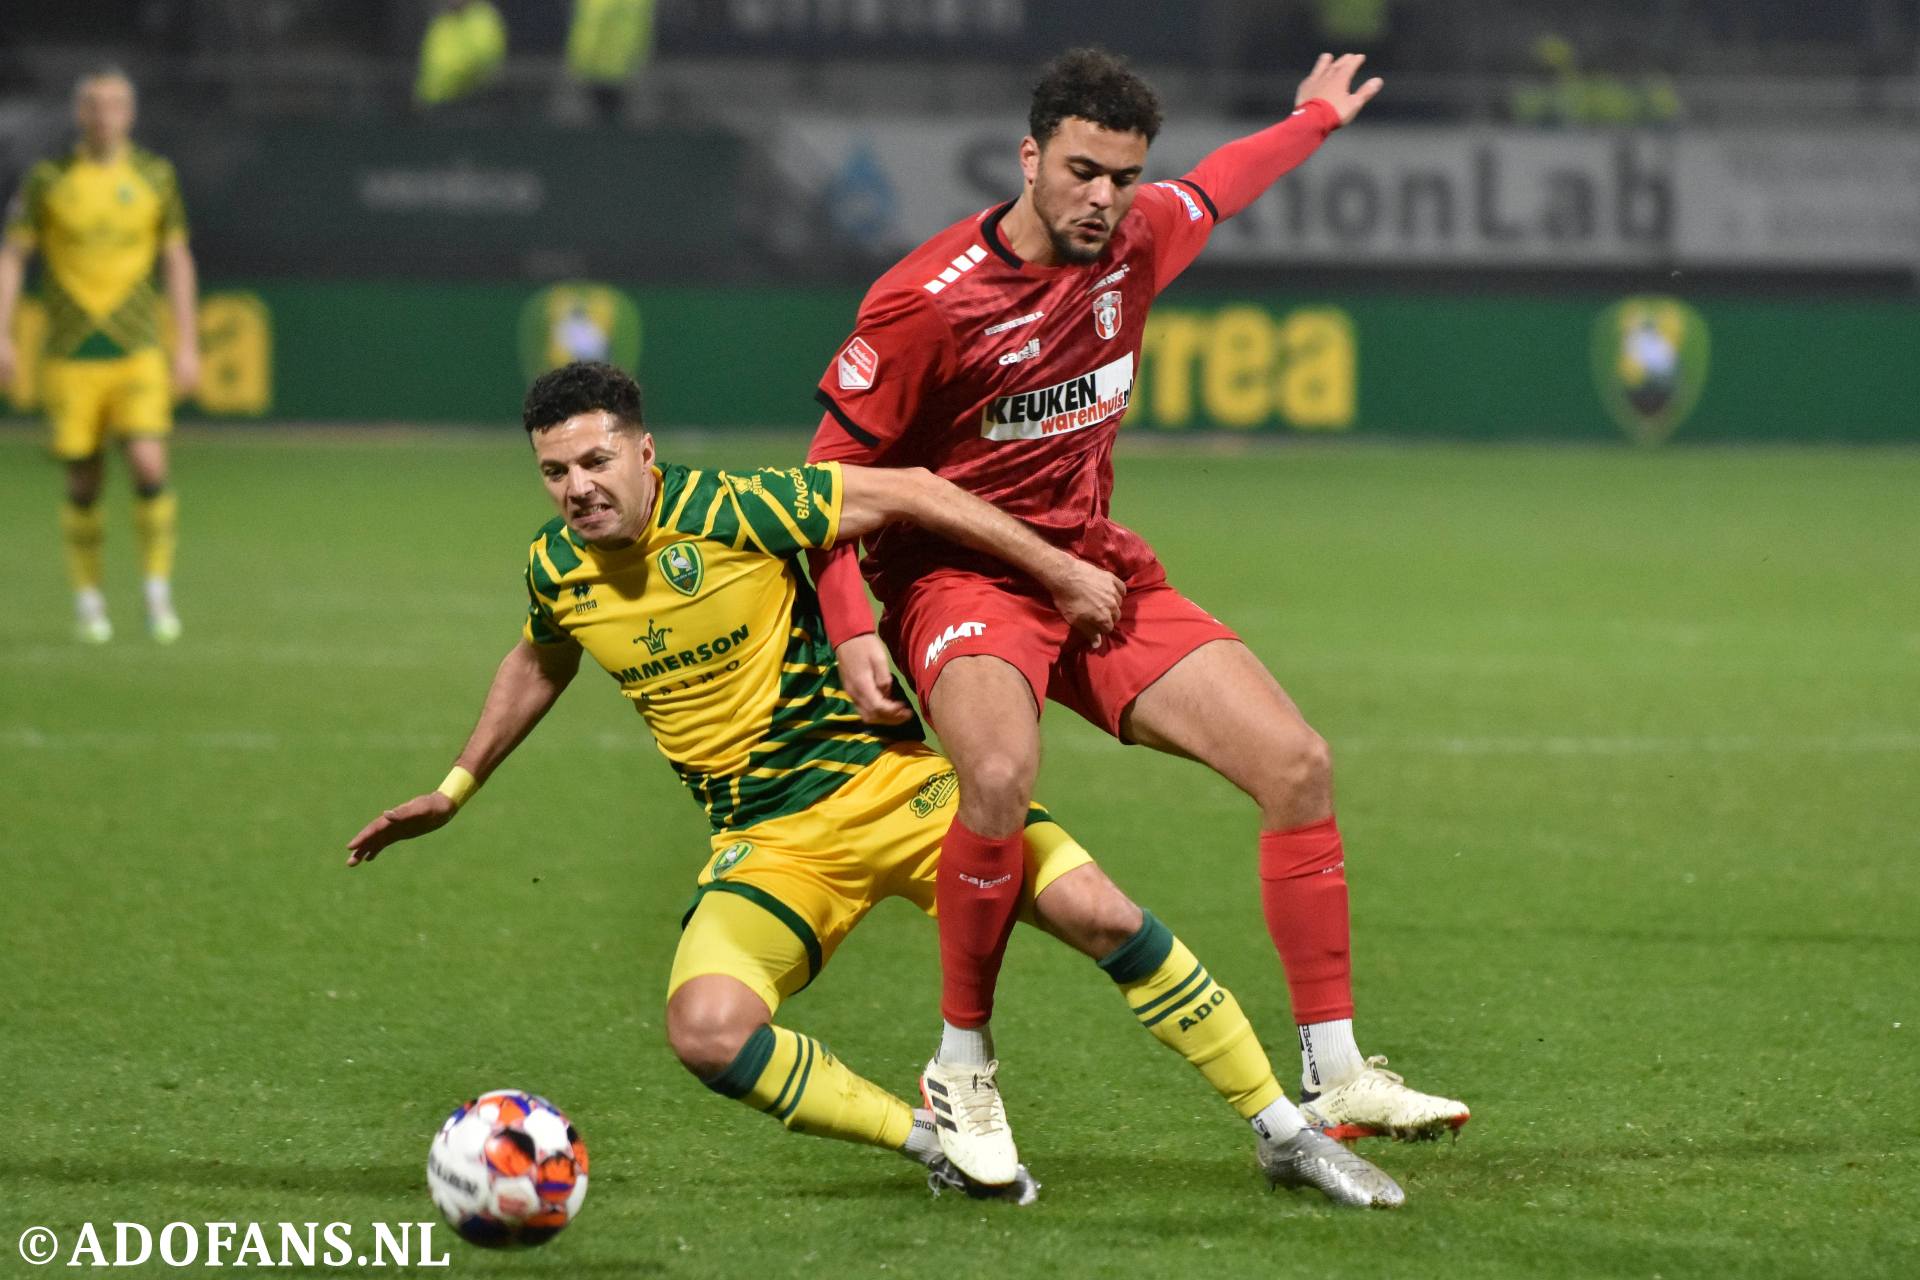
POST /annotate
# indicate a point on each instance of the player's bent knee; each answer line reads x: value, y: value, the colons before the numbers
x: 708, y: 1023
x: 1000, y: 779
x: 1301, y: 765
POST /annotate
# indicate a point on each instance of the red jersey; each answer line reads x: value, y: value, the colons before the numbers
x: 1010, y: 379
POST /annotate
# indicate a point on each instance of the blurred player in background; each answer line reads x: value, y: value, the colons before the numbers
x: 683, y: 586
x: 1001, y: 354
x: 100, y: 216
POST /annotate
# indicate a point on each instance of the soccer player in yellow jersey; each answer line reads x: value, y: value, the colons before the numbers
x: 101, y: 216
x: 683, y: 586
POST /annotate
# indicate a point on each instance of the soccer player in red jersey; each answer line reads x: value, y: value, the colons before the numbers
x: 1001, y: 354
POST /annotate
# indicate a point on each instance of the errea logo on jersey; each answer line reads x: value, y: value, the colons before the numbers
x: 958, y: 631
x: 1073, y: 405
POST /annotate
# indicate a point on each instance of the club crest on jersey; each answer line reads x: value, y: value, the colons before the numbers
x: 1106, y: 313
x: 680, y: 565
x: 1073, y: 405
x: 857, y: 365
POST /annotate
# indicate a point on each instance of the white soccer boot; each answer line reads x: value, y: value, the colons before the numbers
x: 163, y: 624
x: 90, y: 625
x: 924, y: 1150
x: 1023, y: 1190
x: 1311, y: 1159
x: 971, y: 1121
x: 1378, y: 1104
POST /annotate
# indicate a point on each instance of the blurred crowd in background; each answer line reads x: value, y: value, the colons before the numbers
x: 705, y: 140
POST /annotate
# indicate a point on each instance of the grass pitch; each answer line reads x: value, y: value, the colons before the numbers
x: 1628, y: 749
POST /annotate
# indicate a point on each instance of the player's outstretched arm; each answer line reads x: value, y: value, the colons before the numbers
x: 183, y: 299
x: 858, y: 651
x: 13, y: 267
x: 1235, y: 175
x: 530, y: 680
x: 1331, y: 81
x: 1088, y: 597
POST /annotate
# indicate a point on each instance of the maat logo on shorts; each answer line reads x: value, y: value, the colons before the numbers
x: 730, y: 858
x: 934, y: 794
x: 958, y: 631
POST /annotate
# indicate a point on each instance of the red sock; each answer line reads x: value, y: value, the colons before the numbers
x: 976, y: 894
x: 1303, y: 890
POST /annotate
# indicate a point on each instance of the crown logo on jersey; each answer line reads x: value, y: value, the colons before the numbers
x: 581, y: 590
x: 680, y: 565
x: 655, y: 637
x: 1106, y: 313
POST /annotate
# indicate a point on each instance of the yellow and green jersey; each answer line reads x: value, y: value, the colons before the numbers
x: 100, y: 226
x: 712, y: 632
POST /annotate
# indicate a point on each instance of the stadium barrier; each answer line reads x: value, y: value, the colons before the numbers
x: 1643, y: 368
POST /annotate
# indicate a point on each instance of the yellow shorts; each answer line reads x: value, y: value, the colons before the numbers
x: 777, y: 899
x: 88, y: 400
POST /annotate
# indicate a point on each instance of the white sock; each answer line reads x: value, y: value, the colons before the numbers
x: 1328, y: 1056
x: 965, y: 1046
x: 922, y: 1143
x: 89, y: 605
x: 1278, y: 1121
x: 159, y: 595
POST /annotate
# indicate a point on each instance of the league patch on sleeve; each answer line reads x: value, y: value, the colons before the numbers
x: 857, y: 365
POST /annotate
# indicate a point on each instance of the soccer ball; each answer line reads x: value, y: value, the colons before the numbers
x: 507, y: 1169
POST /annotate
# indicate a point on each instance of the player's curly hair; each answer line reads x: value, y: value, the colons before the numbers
x: 1093, y: 85
x: 581, y: 387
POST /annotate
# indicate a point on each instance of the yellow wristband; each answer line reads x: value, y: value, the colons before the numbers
x: 459, y: 785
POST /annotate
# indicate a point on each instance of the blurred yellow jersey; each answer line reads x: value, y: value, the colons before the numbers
x: 712, y: 632
x: 100, y: 227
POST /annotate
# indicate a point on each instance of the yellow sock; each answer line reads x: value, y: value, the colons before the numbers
x: 1175, y: 998
x: 82, y: 530
x: 154, y: 519
x: 793, y: 1078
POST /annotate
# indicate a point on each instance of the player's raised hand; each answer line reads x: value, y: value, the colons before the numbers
x: 416, y: 817
x: 1332, y: 80
x: 869, y: 680
x: 1087, y: 596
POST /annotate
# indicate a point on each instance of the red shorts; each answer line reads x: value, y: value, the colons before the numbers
x: 953, y: 614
